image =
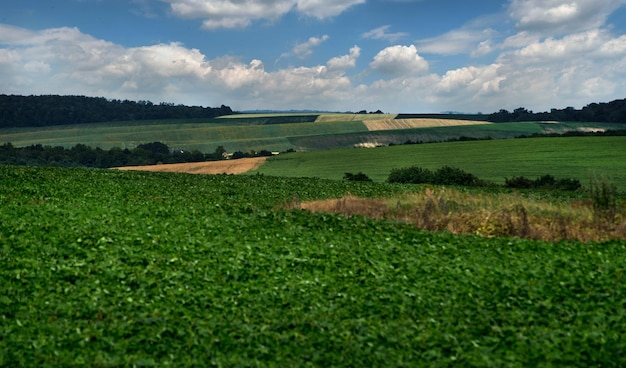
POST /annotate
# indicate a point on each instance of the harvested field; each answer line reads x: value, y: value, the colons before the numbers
x: 394, y: 124
x: 237, y: 166
x: 333, y: 118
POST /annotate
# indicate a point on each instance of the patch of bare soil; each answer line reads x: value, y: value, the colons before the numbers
x: 237, y: 166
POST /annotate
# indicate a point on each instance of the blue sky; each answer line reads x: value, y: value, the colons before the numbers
x: 339, y: 55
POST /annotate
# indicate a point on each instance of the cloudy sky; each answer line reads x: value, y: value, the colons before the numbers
x: 339, y: 55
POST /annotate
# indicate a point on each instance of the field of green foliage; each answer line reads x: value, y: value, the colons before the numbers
x: 111, y: 268
x: 580, y: 158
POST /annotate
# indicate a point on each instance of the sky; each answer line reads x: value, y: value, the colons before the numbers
x: 397, y: 56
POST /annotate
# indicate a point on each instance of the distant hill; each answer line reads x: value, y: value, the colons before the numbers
x: 50, y: 110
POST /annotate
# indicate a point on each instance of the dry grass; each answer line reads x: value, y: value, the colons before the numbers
x: 392, y: 124
x: 489, y: 215
x: 237, y: 166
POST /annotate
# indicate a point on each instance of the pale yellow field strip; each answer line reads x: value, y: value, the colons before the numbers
x: 331, y: 118
x: 394, y: 124
x: 237, y: 166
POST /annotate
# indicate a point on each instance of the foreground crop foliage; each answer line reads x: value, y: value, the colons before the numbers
x: 126, y: 268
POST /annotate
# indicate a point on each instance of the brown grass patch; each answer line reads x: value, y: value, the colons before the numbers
x: 237, y: 166
x: 393, y: 124
x: 489, y: 215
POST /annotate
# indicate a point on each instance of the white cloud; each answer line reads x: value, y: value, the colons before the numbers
x: 241, y: 13
x: 458, y: 41
x: 536, y: 73
x: 573, y: 47
x: 381, y: 33
x: 399, y: 60
x: 475, y: 80
x: 304, y: 49
x: 341, y: 63
x: 563, y: 16
x: 325, y: 8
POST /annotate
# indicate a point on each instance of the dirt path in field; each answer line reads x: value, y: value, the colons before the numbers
x: 237, y: 166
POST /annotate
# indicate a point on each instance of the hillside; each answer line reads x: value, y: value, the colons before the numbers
x: 303, y: 132
x: 567, y: 157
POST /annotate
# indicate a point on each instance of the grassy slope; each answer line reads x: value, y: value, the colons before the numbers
x: 263, y: 131
x: 576, y: 157
x: 110, y: 268
x: 201, y: 136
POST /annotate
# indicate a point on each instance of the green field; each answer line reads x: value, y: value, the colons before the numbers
x: 110, y: 268
x: 568, y: 157
x: 202, y: 136
x: 272, y: 132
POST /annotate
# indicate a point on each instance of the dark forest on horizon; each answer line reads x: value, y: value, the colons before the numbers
x: 41, y: 111
x: 49, y: 110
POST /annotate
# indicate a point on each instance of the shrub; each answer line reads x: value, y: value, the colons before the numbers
x: 452, y: 176
x: 518, y: 182
x: 356, y: 177
x: 544, y: 182
x: 568, y: 184
x: 444, y: 176
x: 411, y: 175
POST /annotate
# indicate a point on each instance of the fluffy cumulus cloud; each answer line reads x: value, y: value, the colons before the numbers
x: 341, y: 63
x: 241, y: 13
x: 399, y: 61
x: 577, y: 68
x: 561, y: 15
x: 527, y: 68
x: 66, y: 61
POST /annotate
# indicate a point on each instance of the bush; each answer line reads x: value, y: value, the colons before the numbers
x: 518, y: 182
x: 452, y: 176
x: 568, y: 184
x: 544, y: 182
x: 356, y: 177
x: 444, y: 176
x: 411, y: 175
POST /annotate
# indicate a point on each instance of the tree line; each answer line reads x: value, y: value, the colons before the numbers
x: 82, y: 155
x: 605, y: 112
x: 48, y: 110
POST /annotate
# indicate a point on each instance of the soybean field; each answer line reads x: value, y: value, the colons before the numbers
x: 112, y: 268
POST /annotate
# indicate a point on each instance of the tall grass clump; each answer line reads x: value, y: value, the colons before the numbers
x: 603, y: 195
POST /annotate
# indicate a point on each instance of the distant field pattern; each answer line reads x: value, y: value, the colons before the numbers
x: 333, y: 118
x: 395, y: 124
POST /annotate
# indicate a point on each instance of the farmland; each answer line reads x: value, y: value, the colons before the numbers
x: 279, y: 132
x: 112, y: 268
x: 569, y: 157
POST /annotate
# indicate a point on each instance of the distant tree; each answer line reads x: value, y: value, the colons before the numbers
x: 155, y: 147
x: 238, y: 154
